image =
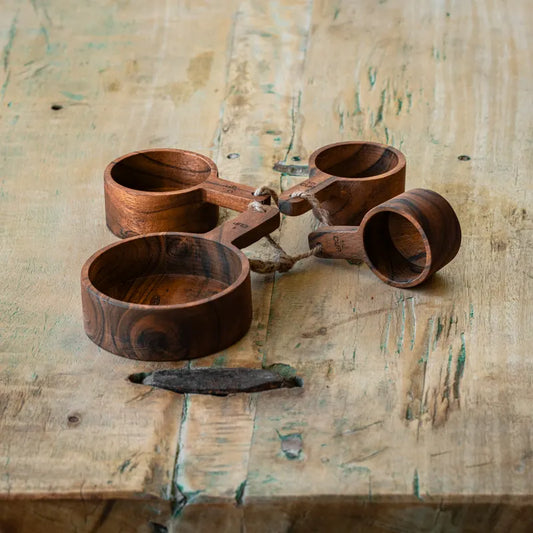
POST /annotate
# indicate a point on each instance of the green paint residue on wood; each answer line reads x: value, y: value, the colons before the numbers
x: 430, y: 327
x: 357, y: 104
x: 401, y: 335
x: 97, y: 46
x: 413, y: 322
x: 268, y: 88
x: 283, y: 370
x: 399, y: 106
x: 4, y: 86
x: 471, y: 314
x: 379, y: 115
x: 385, y: 335
x: 9, y: 44
x: 459, y: 369
x: 124, y: 465
x: 298, y: 345
x: 219, y: 361
x: 341, y: 121
x: 446, y: 393
x: 182, y: 499
x: 372, y: 73
x: 239, y: 493
x: 440, y: 329
x: 336, y: 13
x: 73, y: 96
x: 416, y: 486
x: 350, y: 468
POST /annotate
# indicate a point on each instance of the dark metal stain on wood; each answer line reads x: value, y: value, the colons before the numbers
x: 291, y: 170
x: 217, y: 381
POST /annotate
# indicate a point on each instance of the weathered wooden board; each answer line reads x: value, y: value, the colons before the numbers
x: 128, y: 76
x: 418, y: 397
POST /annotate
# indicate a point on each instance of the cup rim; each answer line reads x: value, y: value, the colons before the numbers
x: 397, y: 168
x: 89, y: 286
x: 109, y: 180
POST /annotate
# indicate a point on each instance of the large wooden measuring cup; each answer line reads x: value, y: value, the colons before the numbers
x: 173, y: 296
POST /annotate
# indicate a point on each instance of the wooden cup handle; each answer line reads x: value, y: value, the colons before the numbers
x: 338, y: 242
x: 317, y: 185
x: 229, y: 194
x: 248, y: 227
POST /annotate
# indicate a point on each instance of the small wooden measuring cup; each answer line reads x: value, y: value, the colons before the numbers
x: 173, y: 296
x: 167, y: 189
x: 348, y: 178
x: 403, y: 240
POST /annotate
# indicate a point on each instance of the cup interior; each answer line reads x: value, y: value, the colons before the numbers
x: 168, y: 269
x: 395, y: 247
x: 161, y: 170
x: 356, y: 160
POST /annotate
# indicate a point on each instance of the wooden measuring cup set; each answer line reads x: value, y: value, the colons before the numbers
x: 179, y: 287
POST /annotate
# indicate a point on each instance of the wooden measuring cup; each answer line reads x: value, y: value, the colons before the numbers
x: 348, y: 178
x: 173, y: 296
x: 403, y: 240
x: 167, y: 189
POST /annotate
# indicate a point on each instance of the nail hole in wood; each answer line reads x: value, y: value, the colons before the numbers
x: 233, y: 155
x: 56, y: 107
x: 464, y: 158
x: 73, y: 419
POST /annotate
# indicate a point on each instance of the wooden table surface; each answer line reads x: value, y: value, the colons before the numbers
x: 416, y: 408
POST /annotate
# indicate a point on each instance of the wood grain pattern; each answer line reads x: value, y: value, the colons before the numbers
x: 167, y: 189
x: 415, y: 399
x: 349, y: 178
x: 404, y: 241
x: 173, y: 296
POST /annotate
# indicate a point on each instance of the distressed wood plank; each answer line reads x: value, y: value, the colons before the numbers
x: 418, y: 398
x: 265, y: 59
x: 128, y: 76
x: 414, y: 395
